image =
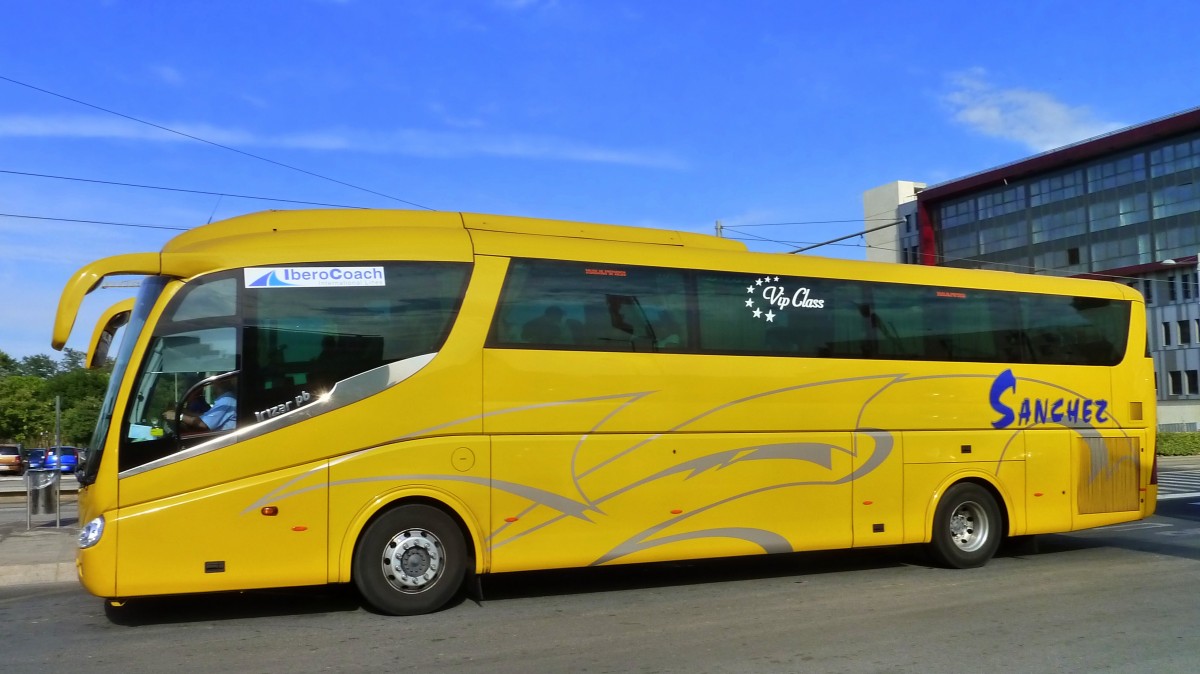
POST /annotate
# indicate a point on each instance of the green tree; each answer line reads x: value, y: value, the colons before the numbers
x: 25, y: 416
x: 79, y: 420
x: 40, y: 365
x: 81, y: 392
x: 8, y: 365
x: 27, y: 391
x: 73, y: 359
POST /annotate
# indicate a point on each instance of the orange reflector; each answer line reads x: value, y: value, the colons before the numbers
x: 302, y: 528
x: 511, y: 519
x: 868, y: 503
x: 676, y: 511
x: 270, y: 511
x: 1037, y: 493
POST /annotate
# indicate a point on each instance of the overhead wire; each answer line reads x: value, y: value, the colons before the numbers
x: 213, y: 143
x: 176, y: 189
x: 91, y: 222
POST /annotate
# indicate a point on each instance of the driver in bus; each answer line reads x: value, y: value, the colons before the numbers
x: 222, y: 416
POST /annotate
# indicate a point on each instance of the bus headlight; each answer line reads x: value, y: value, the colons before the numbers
x: 90, y: 534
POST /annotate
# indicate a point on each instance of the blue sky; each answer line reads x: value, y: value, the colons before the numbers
x: 662, y: 114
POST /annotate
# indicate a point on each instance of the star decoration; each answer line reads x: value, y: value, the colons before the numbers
x: 750, y: 289
x: 750, y: 302
x: 757, y: 313
x: 770, y: 316
x: 758, y: 282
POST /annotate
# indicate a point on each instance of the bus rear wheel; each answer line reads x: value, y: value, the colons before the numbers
x: 412, y: 559
x: 966, y: 527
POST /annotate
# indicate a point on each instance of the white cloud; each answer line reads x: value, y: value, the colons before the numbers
x: 168, y: 75
x: 77, y: 126
x: 411, y: 142
x: 520, y: 5
x: 1033, y: 118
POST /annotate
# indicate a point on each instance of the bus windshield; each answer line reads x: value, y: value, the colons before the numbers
x: 148, y: 295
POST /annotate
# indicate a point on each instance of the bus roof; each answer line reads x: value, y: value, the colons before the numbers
x: 336, y: 221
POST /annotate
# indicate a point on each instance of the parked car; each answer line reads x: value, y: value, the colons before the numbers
x: 10, y: 459
x: 65, y: 459
x: 34, y: 458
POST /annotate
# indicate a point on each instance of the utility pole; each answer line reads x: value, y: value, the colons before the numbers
x: 720, y: 229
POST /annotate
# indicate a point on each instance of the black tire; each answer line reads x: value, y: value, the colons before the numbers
x: 966, y: 527
x: 412, y: 559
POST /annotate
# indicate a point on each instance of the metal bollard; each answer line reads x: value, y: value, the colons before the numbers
x: 48, y: 497
x: 41, y: 491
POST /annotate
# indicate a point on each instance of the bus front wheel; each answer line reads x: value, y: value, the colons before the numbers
x: 410, y: 560
x: 966, y: 527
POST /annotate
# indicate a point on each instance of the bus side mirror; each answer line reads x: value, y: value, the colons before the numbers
x: 113, y: 319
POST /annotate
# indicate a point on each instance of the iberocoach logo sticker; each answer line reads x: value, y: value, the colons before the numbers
x: 769, y: 295
x: 313, y: 277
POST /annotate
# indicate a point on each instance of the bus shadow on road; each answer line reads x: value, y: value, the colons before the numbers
x: 563, y: 582
x: 344, y: 598
x: 222, y: 606
x: 797, y: 565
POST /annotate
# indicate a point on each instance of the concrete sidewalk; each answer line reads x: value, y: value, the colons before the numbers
x: 32, y: 549
x: 45, y: 554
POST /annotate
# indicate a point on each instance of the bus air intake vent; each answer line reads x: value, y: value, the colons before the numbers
x: 1109, y: 475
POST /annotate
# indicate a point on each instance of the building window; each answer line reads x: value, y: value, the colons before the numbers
x: 1192, y: 381
x: 1185, y: 332
x: 1116, y: 172
x: 1171, y: 288
x: 1166, y: 334
x: 1186, y: 282
x: 1072, y: 256
x: 1057, y: 188
x: 958, y: 213
x: 1148, y: 291
x: 1176, y: 382
x: 1175, y: 157
x: 1175, y: 199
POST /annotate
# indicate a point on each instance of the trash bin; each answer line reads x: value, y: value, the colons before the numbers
x: 41, y: 488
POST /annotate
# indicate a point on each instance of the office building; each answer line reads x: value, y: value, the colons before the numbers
x: 1123, y: 206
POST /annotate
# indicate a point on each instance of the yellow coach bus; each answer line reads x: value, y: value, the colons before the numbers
x: 403, y: 400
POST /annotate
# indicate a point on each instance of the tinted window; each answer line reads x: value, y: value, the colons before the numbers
x: 1075, y: 330
x: 595, y: 307
x: 781, y: 315
x: 301, y: 341
x: 566, y: 305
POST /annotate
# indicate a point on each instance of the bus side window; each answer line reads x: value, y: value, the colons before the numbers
x: 592, y: 307
x: 301, y: 341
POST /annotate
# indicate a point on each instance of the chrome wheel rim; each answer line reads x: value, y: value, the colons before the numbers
x: 969, y: 526
x: 413, y: 560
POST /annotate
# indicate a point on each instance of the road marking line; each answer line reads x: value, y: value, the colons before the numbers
x: 1172, y: 497
x: 1132, y: 526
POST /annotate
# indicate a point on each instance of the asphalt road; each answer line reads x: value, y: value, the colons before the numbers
x: 1120, y: 599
